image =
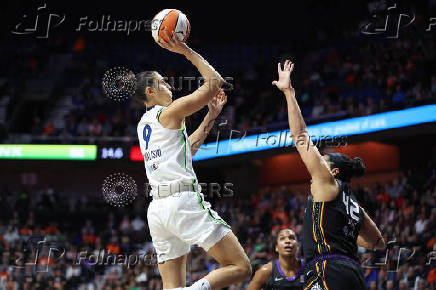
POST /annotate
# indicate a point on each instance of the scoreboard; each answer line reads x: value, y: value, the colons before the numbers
x: 111, y: 152
x: 120, y: 152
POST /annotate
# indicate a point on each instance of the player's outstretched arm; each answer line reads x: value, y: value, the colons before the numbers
x: 215, y: 107
x: 369, y: 235
x: 190, y: 104
x: 261, y: 277
x: 324, y: 186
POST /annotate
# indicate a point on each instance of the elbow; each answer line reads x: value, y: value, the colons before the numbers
x: 220, y: 81
x: 194, y: 150
x: 215, y: 82
x: 195, y: 145
x: 381, y: 244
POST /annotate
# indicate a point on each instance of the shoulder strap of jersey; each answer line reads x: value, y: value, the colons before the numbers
x: 159, y: 111
x: 274, y: 266
x: 153, y: 113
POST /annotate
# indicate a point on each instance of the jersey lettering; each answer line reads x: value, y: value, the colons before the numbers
x: 152, y: 154
x: 351, y: 206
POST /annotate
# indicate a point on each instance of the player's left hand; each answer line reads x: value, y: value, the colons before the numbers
x: 284, y: 82
x: 216, y: 105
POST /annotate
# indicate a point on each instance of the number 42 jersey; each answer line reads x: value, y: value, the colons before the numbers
x: 332, y: 227
x: 167, y: 152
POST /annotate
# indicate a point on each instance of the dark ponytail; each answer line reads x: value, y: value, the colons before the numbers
x: 358, y: 167
x: 348, y: 168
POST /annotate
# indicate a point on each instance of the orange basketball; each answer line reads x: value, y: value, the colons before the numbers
x: 170, y: 20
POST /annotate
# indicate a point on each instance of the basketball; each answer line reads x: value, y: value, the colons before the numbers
x: 170, y: 20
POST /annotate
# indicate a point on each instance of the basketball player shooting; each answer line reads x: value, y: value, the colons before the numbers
x: 178, y: 216
x: 334, y: 224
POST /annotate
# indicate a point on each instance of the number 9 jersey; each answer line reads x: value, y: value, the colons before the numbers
x: 167, y: 154
x: 332, y: 227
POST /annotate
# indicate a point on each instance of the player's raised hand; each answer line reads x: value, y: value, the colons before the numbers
x: 216, y: 105
x: 173, y: 44
x: 284, y: 82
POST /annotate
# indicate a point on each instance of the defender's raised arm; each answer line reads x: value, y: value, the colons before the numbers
x: 315, y: 164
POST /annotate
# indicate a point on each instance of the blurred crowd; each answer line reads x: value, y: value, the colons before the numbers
x: 48, y: 241
x: 359, y: 78
x: 354, y: 75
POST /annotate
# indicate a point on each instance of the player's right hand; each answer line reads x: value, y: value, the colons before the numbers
x: 173, y: 44
x: 284, y: 82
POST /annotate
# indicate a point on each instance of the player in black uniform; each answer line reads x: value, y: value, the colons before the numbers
x: 334, y: 224
x: 284, y: 272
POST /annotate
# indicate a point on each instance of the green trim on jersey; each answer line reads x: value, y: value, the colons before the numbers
x: 184, y: 144
x: 200, y: 201
x: 198, y: 195
x: 158, y: 114
x: 217, y: 220
x: 184, y: 150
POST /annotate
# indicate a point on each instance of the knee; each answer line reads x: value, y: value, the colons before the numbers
x: 249, y: 271
x: 245, y: 270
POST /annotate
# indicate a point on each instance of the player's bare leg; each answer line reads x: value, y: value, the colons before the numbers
x: 173, y: 273
x: 235, y: 263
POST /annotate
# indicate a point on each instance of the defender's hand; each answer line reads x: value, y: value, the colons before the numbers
x: 284, y: 82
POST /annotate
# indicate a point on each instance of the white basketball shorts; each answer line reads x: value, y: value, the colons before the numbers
x: 183, y: 219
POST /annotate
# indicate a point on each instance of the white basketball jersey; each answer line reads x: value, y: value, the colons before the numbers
x: 167, y: 153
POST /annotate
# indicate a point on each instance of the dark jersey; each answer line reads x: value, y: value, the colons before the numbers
x: 332, y: 227
x: 278, y: 280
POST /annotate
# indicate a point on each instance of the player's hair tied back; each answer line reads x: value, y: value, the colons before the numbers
x: 358, y: 167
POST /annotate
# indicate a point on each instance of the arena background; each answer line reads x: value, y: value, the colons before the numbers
x: 349, y: 69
